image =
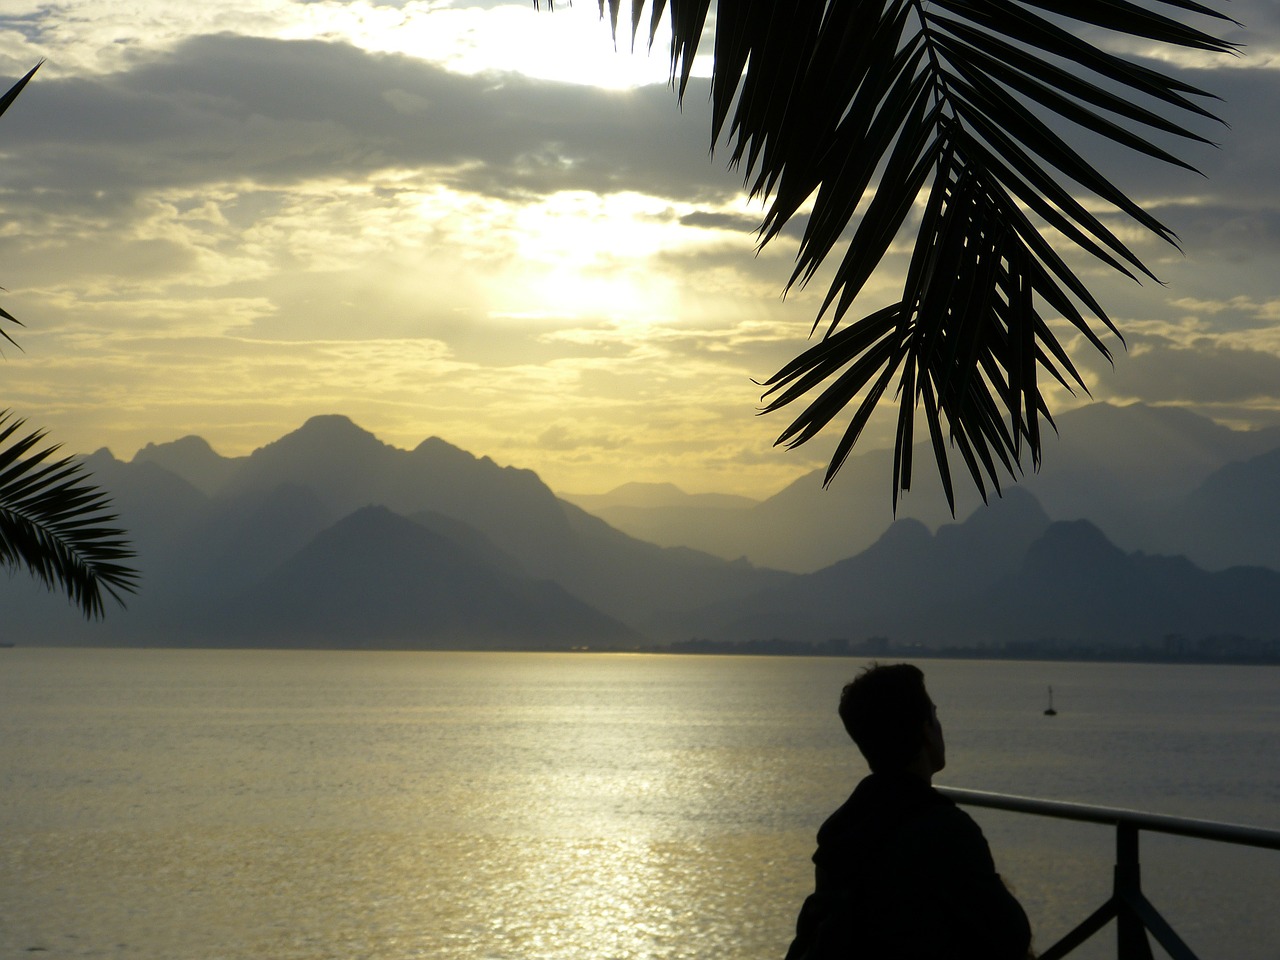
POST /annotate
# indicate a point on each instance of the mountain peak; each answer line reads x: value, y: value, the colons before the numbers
x: 376, y: 576
x: 192, y: 459
x: 332, y: 424
x: 188, y: 446
x: 1071, y: 536
x: 437, y: 447
x: 330, y: 435
x: 96, y: 460
x: 329, y: 454
x: 1015, y: 510
x: 1068, y: 547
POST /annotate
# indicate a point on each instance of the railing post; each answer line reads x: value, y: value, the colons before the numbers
x: 1131, y: 933
x: 1135, y: 916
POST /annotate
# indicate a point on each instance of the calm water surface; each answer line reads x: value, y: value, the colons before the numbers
x: 193, y: 805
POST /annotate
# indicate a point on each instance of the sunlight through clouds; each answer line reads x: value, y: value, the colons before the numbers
x: 400, y: 297
x: 478, y: 221
x: 573, y: 45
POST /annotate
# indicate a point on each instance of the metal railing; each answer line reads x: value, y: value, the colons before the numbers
x: 1127, y: 905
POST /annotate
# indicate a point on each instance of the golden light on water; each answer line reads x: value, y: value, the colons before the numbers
x: 302, y: 805
x: 300, y: 894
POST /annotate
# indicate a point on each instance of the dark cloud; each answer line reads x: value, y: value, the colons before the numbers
x: 227, y: 108
x: 1204, y: 372
x: 1239, y: 171
x: 1259, y: 25
x: 1243, y: 166
x: 32, y: 26
x: 721, y: 221
x: 1238, y: 234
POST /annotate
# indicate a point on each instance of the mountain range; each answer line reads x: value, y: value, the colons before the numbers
x: 1159, y: 479
x: 1144, y: 524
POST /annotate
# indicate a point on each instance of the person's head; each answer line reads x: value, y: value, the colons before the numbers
x: 891, y: 718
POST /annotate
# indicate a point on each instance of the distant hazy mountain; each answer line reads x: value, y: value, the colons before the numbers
x: 329, y: 536
x: 470, y: 539
x: 633, y: 581
x: 905, y: 571
x: 1075, y: 585
x: 153, y: 505
x: 192, y: 459
x: 378, y: 579
x: 1232, y: 518
x: 242, y: 537
x: 348, y: 468
x: 664, y: 514
x: 210, y: 562
x: 1007, y: 575
x: 648, y: 586
x: 1121, y: 467
x: 644, y: 496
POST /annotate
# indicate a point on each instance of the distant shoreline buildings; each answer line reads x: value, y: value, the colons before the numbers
x: 1221, y: 649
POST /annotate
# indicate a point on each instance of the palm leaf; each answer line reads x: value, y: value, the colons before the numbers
x: 967, y: 101
x: 9, y: 96
x: 56, y: 525
x: 53, y: 521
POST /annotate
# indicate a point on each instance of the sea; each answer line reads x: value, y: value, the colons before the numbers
x: 307, y: 805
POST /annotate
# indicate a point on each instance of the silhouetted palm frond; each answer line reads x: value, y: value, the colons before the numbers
x: 875, y: 111
x: 56, y: 525
x: 53, y: 521
x: 10, y: 95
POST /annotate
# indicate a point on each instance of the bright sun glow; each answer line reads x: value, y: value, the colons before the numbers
x: 590, y: 256
x: 571, y: 225
x: 620, y: 296
x: 571, y: 45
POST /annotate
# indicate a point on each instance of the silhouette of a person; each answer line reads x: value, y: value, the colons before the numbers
x: 902, y: 872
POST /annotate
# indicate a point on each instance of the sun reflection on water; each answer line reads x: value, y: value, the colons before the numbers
x: 309, y: 895
x: 165, y: 805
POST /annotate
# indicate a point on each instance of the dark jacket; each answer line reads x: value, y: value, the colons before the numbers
x: 902, y: 873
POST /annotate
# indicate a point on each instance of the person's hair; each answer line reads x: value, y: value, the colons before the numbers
x: 883, y: 709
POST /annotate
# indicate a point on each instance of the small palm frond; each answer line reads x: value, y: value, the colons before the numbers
x: 56, y: 525
x: 52, y: 521
x: 864, y: 108
x: 10, y: 95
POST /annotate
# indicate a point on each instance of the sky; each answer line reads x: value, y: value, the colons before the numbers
x: 480, y: 222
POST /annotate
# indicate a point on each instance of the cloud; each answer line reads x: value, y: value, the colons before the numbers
x: 564, y: 436
x: 721, y: 221
x: 225, y: 224
x: 1205, y: 371
x: 230, y: 109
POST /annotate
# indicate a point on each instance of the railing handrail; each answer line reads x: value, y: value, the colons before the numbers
x: 1128, y: 906
x: 1156, y: 822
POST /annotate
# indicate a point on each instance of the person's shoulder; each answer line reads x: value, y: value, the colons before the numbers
x: 849, y: 813
x: 950, y: 831
x: 944, y: 811
x: 875, y: 807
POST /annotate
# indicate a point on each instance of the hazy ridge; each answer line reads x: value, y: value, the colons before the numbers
x: 329, y: 537
x: 1152, y: 478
